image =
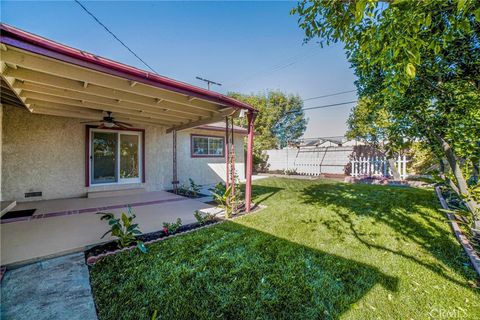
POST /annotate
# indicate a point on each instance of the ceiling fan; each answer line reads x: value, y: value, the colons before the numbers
x: 109, y: 122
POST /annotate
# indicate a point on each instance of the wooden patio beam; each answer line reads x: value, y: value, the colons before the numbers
x: 40, y: 78
x: 231, y: 112
x: 34, y: 97
x: 68, y: 111
x: 70, y: 71
x: 108, y: 103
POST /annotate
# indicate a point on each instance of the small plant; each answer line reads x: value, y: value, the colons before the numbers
x: 203, y: 218
x: 171, y: 228
x: 290, y: 172
x: 225, y: 200
x: 124, y: 229
x: 219, y: 188
x: 194, y: 188
x: 182, y: 190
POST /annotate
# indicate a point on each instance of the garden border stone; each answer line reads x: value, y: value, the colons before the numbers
x: 472, y: 254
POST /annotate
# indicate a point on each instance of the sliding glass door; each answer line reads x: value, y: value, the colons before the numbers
x: 115, y: 156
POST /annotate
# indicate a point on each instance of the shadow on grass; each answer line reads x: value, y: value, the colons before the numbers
x: 261, y: 193
x: 405, y: 210
x: 231, y: 272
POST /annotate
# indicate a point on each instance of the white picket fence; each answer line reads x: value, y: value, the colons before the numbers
x: 377, y: 167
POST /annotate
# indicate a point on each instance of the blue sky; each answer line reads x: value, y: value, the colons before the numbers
x: 246, y: 46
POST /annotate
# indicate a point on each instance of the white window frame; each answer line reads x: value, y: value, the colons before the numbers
x: 120, y: 180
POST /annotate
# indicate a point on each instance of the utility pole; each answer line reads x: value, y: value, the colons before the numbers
x: 209, y: 82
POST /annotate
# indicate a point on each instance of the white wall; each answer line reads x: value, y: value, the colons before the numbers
x: 47, y: 154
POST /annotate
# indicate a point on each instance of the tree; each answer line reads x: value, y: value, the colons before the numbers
x: 280, y: 119
x: 418, y: 61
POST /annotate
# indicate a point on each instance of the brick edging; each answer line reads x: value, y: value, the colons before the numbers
x: 472, y: 254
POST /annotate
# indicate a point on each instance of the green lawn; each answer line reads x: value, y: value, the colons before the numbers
x: 321, y: 250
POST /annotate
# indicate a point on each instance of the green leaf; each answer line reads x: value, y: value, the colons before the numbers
x: 428, y: 20
x: 141, y: 247
x: 460, y: 5
x: 154, y: 315
x: 359, y: 9
x: 125, y: 220
x: 411, y: 70
x: 107, y: 216
x: 477, y: 14
x: 109, y: 231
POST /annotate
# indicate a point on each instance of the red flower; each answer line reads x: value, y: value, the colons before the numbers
x: 165, y: 229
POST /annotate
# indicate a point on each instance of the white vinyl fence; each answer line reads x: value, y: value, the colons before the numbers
x: 377, y: 167
x: 331, y: 160
x: 312, y: 162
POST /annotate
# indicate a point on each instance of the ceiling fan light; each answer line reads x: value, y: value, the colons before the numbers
x: 109, y: 124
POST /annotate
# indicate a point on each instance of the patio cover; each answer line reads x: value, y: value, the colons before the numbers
x: 54, y: 79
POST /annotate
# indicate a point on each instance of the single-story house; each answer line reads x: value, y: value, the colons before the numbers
x: 74, y: 125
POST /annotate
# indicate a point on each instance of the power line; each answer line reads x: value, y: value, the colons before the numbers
x: 113, y: 35
x: 330, y: 95
x: 325, y: 106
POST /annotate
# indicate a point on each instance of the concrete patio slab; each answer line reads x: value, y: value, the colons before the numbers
x: 58, y: 288
x: 26, y: 241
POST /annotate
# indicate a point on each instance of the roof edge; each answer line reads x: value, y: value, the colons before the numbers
x: 33, y: 43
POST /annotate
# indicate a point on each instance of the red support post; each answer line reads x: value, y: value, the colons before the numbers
x: 248, y: 187
x: 227, y: 160
x: 232, y: 158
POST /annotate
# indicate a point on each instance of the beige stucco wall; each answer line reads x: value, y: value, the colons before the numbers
x: 206, y: 170
x: 47, y: 153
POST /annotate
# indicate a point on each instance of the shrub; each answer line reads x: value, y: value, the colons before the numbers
x: 170, y: 228
x: 124, y: 229
x: 290, y: 172
x: 219, y: 188
x: 225, y: 200
x: 194, y: 188
x: 203, y: 218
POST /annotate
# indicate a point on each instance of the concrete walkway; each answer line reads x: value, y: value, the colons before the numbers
x: 58, y: 288
x: 28, y: 241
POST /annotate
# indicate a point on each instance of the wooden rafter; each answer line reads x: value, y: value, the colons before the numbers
x: 43, y: 79
x: 50, y: 66
x: 104, y: 104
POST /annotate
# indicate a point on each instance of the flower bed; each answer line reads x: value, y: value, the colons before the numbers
x: 95, y: 253
x: 188, y: 194
x: 385, y: 181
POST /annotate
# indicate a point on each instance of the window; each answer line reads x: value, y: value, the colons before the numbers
x: 115, y: 156
x: 207, y: 146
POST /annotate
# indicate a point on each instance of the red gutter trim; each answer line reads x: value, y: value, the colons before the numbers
x: 27, y: 41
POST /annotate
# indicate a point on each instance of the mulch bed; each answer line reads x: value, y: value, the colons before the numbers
x: 97, y: 252
x: 188, y: 194
x: 112, y: 246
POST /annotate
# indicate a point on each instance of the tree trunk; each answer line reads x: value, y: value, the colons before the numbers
x: 395, y: 173
x: 461, y: 184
